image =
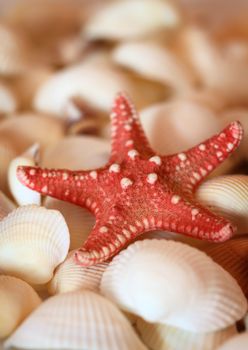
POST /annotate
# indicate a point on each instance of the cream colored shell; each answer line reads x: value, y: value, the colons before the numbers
x: 76, y: 320
x: 239, y: 342
x: 33, y: 242
x: 6, y: 205
x: 8, y: 101
x: 181, y: 286
x: 17, y: 301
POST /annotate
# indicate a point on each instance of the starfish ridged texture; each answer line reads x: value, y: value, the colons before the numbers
x: 138, y: 190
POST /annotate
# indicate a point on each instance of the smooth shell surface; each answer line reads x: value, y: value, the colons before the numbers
x: 33, y: 241
x: 21, y: 193
x: 228, y: 197
x: 132, y: 19
x: 163, y: 337
x: 8, y: 102
x: 17, y: 300
x: 181, y: 286
x: 70, y: 276
x: 232, y: 255
x: 76, y: 320
x: 239, y: 342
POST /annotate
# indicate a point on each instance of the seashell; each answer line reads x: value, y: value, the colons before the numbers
x: 184, y: 122
x: 70, y: 276
x: 232, y: 255
x: 21, y: 193
x: 68, y: 153
x: 76, y: 320
x: 23, y: 130
x: 180, y: 285
x: 7, y: 153
x: 8, y: 102
x: 17, y: 301
x: 227, y: 196
x: 96, y: 82
x: 163, y: 337
x: 238, y: 342
x: 122, y: 20
x: 6, y: 205
x: 161, y: 64
x: 79, y: 220
x: 33, y: 242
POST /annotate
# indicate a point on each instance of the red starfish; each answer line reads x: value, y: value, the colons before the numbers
x: 139, y: 191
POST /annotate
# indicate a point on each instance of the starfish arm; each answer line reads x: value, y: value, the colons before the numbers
x: 192, y: 166
x: 127, y: 134
x: 72, y: 186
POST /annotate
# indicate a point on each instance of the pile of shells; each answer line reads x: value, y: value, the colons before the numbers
x: 185, y: 65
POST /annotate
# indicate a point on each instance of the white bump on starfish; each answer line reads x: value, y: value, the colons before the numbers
x: 194, y: 212
x: 113, y: 115
x: 31, y: 185
x: 114, y: 168
x: 126, y: 182
x: 146, y: 223
x: 122, y: 238
x: 44, y: 174
x: 216, y: 146
x: 230, y: 146
x: 203, y: 172
x: 49, y: 174
x: 122, y: 106
x: 93, y: 174
x: 129, y: 143
x: 202, y: 147
x: 132, y: 153
x: 44, y: 189
x: 152, y: 178
x: 103, y: 229
x: 196, y: 176
x: 210, y: 167
x: 219, y: 154
x: 156, y: 160
x: 133, y: 228
x: 126, y: 233
x: 32, y: 172
x: 182, y: 156
x: 105, y: 250
x: 175, y: 199
x: 127, y: 127
x: 67, y: 192
x: 65, y: 176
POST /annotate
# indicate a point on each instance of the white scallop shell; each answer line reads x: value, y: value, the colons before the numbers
x: 33, y: 242
x: 173, y: 283
x: 97, y: 83
x: 123, y: 20
x: 161, y: 64
x: 77, y: 152
x: 6, y: 205
x: 79, y: 220
x: 17, y: 301
x: 184, y: 122
x: 228, y: 197
x: 76, y: 320
x: 8, y: 102
x: 70, y: 276
x: 21, y: 193
x: 163, y: 337
x: 7, y: 153
x: 239, y: 342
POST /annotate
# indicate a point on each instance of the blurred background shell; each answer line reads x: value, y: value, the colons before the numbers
x: 6, y: 205
x: 238, y: 342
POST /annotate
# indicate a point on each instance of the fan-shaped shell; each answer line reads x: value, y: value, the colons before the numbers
x: 17, y: 301
x: 69, y: 153
x: 232, y: 255
x: 228, y: 197
x: 160, y: 64
x: 184, y: 122
x: 172, y: 283
x: 122, y: 20
x: 239, y: 342
x: 163, y: 337
x: 70, y: 276
x: 6, y: 205
x: 96, y: 82
x: 21, y: 193
x: 33, y: 242
x: 8, y: 102
x: 76, y: 320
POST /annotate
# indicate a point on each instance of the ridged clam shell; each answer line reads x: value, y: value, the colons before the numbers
x: 8, y: 102
x: 33, y: 242
x: 17, y: 301
x: 69, y: 153
x: 181, y: 286
x: 232, y: 255
x: 76, y: 320
x: 184, y: 122
x: 96, y: 82
x: 6, y: 205
x: 163, y: 337
x: 79, y: 220
x: 21, y: 193
x: 122, y: 20
x: 160, y: 64
x: 239, y: 342
x: 70, y: 276
x: 228, y: 197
